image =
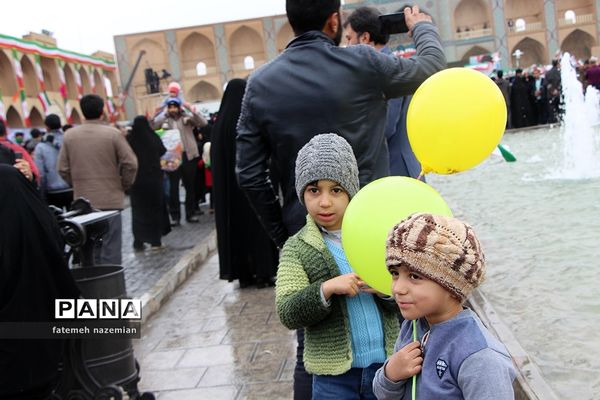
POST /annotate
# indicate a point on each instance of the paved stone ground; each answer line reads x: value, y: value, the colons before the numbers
x: 144, y: 269
x: 212, y: 340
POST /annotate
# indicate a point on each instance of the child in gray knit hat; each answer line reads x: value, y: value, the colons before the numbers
x: 435, y: 263
x: 349, y: 329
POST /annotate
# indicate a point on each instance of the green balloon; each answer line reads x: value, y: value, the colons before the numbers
x: 370, y: 216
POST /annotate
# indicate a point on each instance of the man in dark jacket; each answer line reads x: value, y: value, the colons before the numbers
x: 315, y: 87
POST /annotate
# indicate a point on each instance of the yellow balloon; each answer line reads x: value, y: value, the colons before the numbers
x: 371, y: 214
x: 455, y: 120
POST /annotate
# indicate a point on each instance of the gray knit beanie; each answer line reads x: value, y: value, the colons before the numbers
x: 443, y: 249
x: 327, y: 156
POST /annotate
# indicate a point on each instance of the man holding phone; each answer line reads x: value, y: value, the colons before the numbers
x: 19, y: 158
x: 367, y: 26
x: 314, y: 87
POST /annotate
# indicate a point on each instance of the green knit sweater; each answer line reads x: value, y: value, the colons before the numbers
x: 306, y: 263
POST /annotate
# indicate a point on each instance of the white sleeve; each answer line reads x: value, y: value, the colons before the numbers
x: 487, y: 375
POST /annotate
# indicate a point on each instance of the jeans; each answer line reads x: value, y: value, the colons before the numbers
x: 355, y: 384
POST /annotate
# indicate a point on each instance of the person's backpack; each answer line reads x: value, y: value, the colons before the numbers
x: 7, y: 156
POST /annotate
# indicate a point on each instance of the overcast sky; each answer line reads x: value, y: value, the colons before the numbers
x: 88, y: 31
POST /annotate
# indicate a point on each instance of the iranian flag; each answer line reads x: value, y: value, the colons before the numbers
x: 92, y: 79
x: 43, y: 98
x: 21, y: 91
x: 68, y: 112
x: 78, y: 82
x: 110, y: 105
x: 18, y: 70
x: 24, y: 108
x: 42, y: 95
x: 63, y: 81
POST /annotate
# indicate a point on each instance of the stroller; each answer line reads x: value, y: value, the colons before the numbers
x: 104, y: 368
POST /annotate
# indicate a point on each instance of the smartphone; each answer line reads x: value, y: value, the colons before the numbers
x: 18, y: 155
x: 393, y: 23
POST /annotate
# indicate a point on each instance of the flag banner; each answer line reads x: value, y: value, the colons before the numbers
x: 92, y: 80
x: 25, y: 46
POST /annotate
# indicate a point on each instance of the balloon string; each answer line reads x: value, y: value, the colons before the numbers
x: 414, y: 378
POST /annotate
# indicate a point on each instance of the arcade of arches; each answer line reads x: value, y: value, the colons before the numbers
x: 203, y: 58
x: 9, y: 89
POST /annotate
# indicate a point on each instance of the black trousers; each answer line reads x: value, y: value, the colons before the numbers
x: 187, y: 173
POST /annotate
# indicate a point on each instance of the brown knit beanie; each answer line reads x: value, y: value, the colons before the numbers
x: 443, y: 249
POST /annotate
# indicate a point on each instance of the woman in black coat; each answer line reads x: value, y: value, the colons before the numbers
x: 245, y: 250
x: 33, y: 274
x: 149, y: 215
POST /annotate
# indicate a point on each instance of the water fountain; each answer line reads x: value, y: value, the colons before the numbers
x: 580, y: 118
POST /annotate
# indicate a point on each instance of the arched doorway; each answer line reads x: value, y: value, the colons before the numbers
x: 579, y: 44
x: 70, y: 82
x: 35, y: 118
x: 243, y: 43
x: 75, y: 117
x: 29, y: 77
x: 533, y: 52
x: 8, y: 82
x: 51, y: 78
x: 284, y: 36
x: 13, y: 118
x: 471, y: 15
x: 204, y: 91
x: 474, y: 51
x: 198, y: 48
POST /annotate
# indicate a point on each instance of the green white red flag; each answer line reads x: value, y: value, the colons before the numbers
x: 42, y: 95
x: 21, y: 87
x: 78, y: 82
x: 92, y: 79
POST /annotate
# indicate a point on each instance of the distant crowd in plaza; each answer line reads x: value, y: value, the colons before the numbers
x: 534, y: 96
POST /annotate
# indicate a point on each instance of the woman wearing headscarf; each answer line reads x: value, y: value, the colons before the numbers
x: 149, y: 215
x: 245, y: 251
x: 33, y: 273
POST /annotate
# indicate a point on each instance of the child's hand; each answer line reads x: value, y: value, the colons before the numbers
x: 368, y: 289
x: 405, y: 363
x: 347, y: 284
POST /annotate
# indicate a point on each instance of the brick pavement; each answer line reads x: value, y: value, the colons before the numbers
x: 212, y: 340
x: 144, y: 269
x: 202, y: 337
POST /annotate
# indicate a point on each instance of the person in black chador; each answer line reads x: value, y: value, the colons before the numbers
x: 149, y: 215
x: 33, y: 273
x: 245, y: 251
x: 520, y: 101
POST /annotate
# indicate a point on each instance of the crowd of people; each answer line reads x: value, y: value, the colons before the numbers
x: 534, y: 96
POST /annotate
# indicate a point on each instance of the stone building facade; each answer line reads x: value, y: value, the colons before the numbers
x: 203, y: 58
x: 37, y: 78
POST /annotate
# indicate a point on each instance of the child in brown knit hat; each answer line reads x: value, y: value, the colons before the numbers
x: 435, y: 263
